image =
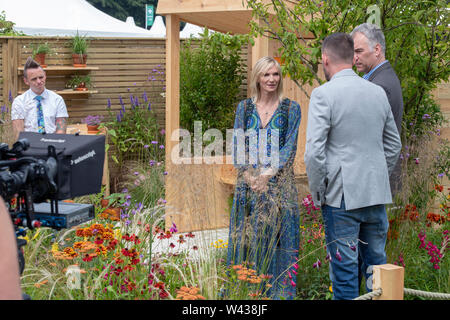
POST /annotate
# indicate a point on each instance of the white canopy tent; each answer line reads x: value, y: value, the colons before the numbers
x: 158, y: 29
x: 191, y: 30
x: 65, y: 18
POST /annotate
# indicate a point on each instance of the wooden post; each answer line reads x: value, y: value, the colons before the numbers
x: 172, y: 81
x: 172, y: 104
x: 390, y: 278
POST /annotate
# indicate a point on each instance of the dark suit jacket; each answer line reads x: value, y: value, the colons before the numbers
x: 386, y: 78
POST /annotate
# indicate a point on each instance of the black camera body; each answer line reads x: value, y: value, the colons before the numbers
x: 42, y: 169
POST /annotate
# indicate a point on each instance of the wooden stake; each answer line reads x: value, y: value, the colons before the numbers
x: 390, y: 278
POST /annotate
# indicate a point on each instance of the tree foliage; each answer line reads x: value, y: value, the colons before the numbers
x: 416, y: 39
x: 121, y: 9
x: 7, y: 27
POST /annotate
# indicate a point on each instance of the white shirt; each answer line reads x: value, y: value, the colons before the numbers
x: 24, y: 107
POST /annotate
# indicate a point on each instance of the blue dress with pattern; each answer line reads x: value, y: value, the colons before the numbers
x: 264, y: 227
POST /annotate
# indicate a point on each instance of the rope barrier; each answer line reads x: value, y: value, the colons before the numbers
x: 419, y: 293
x: 426, y: 294
x: 370, y: 295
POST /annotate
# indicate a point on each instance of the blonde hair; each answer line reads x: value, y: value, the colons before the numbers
x: 259, y: 69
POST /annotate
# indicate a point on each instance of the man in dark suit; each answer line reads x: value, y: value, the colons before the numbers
x: 370, y: 58
x: 370, y: 50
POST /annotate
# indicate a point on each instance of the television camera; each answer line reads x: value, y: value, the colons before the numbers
x: 40, y: 170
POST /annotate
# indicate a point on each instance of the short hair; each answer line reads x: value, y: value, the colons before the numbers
x: 373, y: 34
x: 260, y: 68
x: 30, y: 64
x: 340, y: 47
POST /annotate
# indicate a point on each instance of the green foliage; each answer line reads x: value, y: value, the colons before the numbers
x: 79, y: 44
x: 134, y: 131
x: 7, y: 27
x: 121, y: 9
x: 41, y: 48
x: 211, y: 73
x: 77, y: 80
x: 416, y: 40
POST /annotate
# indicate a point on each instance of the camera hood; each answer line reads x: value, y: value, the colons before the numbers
x: 80, y: 160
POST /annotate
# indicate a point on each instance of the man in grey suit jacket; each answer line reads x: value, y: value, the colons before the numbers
x: 352, y: 145
x: 370, y: 50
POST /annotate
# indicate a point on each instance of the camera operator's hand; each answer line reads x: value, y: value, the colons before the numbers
x: 9, y: 262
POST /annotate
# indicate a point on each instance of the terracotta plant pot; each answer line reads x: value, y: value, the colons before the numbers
x: 79, y: 60
x: 40, y: 58
x: 93, y: 129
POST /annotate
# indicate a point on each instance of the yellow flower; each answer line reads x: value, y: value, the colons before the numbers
x: 55, y: 247
x: 36, y: 234
x: 117, y: 234
x: 331, y: 289
x: 24, y: 238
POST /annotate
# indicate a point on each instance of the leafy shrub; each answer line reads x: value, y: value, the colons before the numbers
x: 211, y: 74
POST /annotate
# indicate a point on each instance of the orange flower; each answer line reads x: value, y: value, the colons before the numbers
x: 39, y: 284
x: 189, y: 293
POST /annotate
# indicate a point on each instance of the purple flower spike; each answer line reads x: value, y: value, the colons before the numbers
x: 317, y: 264
x: 173, y: 229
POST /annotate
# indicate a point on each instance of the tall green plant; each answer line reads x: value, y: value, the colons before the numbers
x: 79, y: 44
x: 133, y: 130
x: 211, y: 73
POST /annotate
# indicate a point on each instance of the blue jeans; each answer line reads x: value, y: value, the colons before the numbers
x: 350, y: 233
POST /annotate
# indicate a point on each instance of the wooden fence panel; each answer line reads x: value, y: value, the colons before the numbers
x: 126, y: 67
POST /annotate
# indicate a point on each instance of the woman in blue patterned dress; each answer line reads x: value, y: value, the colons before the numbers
x: 264, y: 221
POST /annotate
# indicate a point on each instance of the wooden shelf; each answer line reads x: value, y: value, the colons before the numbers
x: 69, y: 93
x: 64, y: 70
x: 67, y: 71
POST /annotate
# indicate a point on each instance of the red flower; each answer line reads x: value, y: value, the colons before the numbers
x: 163, y: 294
x: 159, y: 285
x: 87, y: 258
x: 118, y: 271
x: 181, y: 239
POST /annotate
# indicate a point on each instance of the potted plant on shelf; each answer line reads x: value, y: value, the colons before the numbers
x: 39, y: 53
x: 79, y: 45
x: 92, y: 122
x: 79, y: 83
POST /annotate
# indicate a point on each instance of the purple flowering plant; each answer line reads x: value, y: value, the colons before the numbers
x: 93, y: 120
x: 132, y: 125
